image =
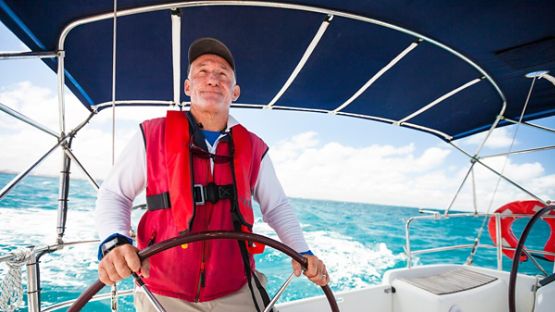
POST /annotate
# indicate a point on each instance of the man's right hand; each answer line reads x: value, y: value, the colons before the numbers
x: 119, y: 263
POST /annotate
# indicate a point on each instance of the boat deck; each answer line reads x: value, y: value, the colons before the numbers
x: 408, y: 290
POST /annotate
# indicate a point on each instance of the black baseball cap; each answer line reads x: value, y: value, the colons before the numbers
x: 209, y: 45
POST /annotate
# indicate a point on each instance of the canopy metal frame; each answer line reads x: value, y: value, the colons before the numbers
x: 328, y: 15
x: 64, y: 138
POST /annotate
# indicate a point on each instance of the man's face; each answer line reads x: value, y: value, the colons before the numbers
x: 211, y: 84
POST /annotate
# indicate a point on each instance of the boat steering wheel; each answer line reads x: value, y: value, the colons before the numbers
x: 190, y: 238
x: 518, y: 252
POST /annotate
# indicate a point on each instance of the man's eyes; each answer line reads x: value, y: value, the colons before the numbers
x: 204, y: 72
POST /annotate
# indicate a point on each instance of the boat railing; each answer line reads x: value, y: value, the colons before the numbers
x: 29, y: 256
x: 98, y: 297
x: 499, y: 246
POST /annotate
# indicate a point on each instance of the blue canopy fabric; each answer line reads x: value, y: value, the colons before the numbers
x: 506, y: 39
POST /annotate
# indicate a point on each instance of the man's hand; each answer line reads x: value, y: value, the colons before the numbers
x: 119, y: 263
x: 316, y: 271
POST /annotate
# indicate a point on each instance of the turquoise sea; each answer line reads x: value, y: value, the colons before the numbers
x: 358, y: 242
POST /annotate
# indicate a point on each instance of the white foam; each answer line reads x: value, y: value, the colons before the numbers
x: 21, y: 227
x: 351, y: 264
x: 38, y: 227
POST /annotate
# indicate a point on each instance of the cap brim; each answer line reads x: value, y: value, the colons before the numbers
x: 210, y: 46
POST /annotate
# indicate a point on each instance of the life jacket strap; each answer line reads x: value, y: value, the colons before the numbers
x: 212, y: 193
x: 158, y: 201
x: 201, y: 194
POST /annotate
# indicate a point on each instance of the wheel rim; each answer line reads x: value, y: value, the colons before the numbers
x: 212, y: 235
x: 518, y: 252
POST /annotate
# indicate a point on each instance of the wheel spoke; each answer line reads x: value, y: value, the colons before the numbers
x: 151, y: 298
x: 280, y: 292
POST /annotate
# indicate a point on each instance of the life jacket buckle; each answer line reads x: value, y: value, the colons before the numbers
x: 198, y: 194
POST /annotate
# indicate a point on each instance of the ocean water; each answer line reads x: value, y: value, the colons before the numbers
x: 358, y: 242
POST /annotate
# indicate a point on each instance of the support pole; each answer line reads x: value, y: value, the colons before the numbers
x: 33, y: 284
x: 66, y: 161
x: 499, y: 242
x: 176, y: 56
x: 63, y: 195
x: 407, y: 242
x: 27, y: 55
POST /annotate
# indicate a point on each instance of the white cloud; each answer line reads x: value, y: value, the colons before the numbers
x: 499, y: 138
x: 376, y: 173
x: 291, y: 148
x: 397, y: 175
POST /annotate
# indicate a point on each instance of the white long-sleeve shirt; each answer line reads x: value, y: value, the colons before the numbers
x: 127, y: 179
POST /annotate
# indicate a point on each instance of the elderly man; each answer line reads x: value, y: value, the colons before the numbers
x: 200, y: 169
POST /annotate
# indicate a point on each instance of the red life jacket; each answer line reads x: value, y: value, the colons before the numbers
x: 208, y: 270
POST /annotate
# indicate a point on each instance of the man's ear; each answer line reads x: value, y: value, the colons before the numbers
x: 187, y: 87
x: 236, y: 92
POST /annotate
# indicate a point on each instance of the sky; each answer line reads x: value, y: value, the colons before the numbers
x: 316, y: 156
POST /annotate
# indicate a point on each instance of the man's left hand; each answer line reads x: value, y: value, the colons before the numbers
x: 316, y: 271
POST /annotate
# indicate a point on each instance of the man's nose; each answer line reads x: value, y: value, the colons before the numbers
x: 213, y: 79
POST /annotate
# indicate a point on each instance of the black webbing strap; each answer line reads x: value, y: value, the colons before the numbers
x: 201, y: 194
x: 158, y: 201
x: 249, y: 273
x: 212, y: 193
x: 237, y: 224
x: 262, y: 291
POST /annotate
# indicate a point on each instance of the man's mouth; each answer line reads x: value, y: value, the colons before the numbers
x: 211, y: 92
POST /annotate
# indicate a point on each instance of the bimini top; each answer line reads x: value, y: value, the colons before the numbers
x: 446, y: 67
